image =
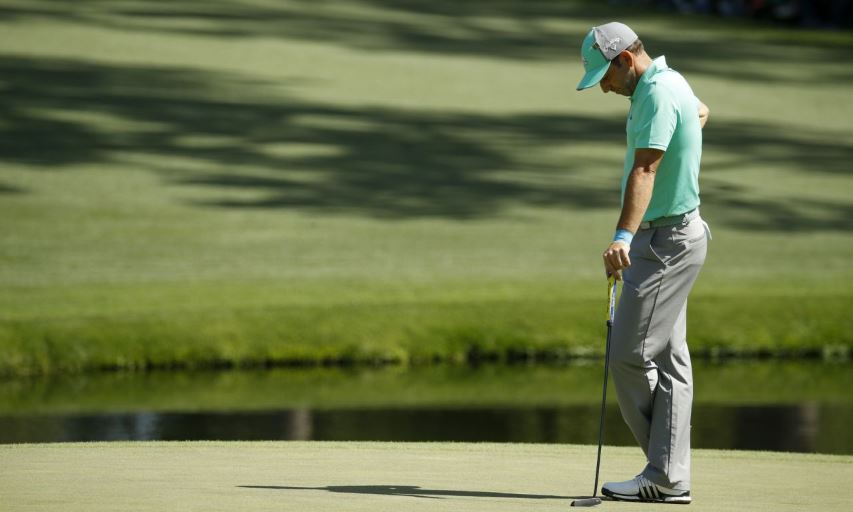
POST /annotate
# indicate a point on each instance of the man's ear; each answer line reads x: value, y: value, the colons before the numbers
x: 624, y: 58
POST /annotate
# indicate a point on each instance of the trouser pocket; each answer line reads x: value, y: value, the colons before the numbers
x: 672, y: 242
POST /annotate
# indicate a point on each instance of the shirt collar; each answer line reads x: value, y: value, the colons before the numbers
x: 657, y: 65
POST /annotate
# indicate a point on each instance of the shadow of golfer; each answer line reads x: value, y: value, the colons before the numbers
x: 411, y: 491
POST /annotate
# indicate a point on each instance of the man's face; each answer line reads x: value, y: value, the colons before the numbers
x: 620, y: 77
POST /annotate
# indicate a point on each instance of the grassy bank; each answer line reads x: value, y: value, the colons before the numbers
x: 414, y: 333
x: 388, y: 476
x: 361, y: 181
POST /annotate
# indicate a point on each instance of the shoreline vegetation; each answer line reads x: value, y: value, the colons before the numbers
x: 408, y: 335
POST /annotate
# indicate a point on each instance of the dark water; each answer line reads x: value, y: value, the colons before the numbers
x: 818, y: 421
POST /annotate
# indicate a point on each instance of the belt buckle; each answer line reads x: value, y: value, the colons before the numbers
x: 645, y: 225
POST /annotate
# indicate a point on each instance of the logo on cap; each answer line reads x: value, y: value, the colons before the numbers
x: 613, y: 43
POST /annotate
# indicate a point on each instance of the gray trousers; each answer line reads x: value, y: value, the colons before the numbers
x: 649, y: 359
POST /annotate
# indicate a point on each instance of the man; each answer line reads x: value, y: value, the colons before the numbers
x: 657, y: 251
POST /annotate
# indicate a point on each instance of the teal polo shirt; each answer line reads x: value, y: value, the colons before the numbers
x: 664, y: 115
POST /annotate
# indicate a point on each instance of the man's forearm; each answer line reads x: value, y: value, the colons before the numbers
x: 638, y: 193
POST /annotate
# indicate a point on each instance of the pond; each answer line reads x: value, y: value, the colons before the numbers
x: 781, y: 406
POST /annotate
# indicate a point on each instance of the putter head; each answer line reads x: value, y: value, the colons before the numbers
x: 586, y: 502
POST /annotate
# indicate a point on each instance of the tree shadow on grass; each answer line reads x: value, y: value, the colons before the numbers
x: 499, y: 29
x: 740, y: 209
x: 410, y: 491
x: 286, y: 153
x: 9, y: 189
x: 241, y: 144
x: 488, y: 29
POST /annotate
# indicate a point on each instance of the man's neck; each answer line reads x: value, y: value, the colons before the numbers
x: 642, y: 63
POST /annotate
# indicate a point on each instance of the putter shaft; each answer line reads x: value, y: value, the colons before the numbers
x: 611, y: 296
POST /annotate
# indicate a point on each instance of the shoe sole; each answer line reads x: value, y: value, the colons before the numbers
x: 675, y: 500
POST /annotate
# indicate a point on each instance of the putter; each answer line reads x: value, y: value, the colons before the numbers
x: 611, y: 308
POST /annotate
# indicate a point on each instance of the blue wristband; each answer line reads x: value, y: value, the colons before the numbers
x: 623, y: 235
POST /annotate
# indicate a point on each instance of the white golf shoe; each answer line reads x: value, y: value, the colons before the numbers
x: 641, y: 488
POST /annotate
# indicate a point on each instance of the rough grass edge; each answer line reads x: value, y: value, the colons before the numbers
x: 408, y: 334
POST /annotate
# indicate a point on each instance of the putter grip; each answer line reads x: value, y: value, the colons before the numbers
x: 611, y: 298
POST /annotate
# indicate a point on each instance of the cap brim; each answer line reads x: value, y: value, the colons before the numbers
x: 593, y: 76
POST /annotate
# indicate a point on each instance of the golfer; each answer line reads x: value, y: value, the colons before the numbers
x: 657, y: 251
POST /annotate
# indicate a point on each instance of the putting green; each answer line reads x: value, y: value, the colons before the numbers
x: 319, y: 476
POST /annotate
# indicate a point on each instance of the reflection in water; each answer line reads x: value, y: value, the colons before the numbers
x: 770, y: 405
x: 797, y: 428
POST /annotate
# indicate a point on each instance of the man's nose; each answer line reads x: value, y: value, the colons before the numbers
x: 604, y: 87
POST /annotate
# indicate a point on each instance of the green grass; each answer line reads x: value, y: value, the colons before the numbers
x: 359, y: 181
x: 388, y: 476
x: 410, y: 333
x: 747, y: 383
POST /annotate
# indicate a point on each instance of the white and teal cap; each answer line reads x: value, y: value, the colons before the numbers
x: 601, y: 45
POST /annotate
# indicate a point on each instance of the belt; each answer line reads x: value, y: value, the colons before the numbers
x: 673, y: 220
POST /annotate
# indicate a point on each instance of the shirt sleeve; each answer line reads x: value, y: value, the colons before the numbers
x: 659, y: 116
